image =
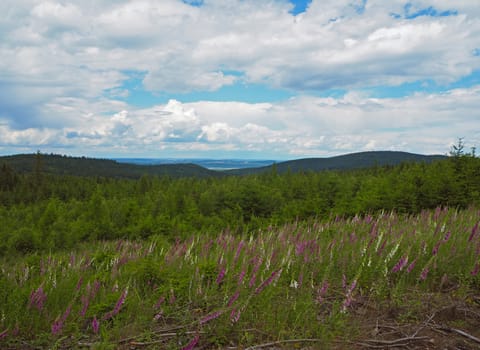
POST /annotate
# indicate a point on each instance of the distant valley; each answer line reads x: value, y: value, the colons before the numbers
x: 137, y: 167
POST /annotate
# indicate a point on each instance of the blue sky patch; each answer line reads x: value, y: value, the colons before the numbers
x: 241, y: 91
x: 360, y: 9
x: 428, y: 11
x: 196, y: 3
x: 300, y: 6
x: 423, y: 86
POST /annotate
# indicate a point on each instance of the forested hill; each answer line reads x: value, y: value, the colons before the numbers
x: 82, y: 166
x: 344, y: 162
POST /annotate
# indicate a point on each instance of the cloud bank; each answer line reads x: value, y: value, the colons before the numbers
x: 66, y: 67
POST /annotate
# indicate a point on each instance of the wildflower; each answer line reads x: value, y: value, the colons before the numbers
x: 96, y: 287
x: 192, y: 343
x: 233, y: 298
x: 475, y: 270
x: 324, y: 288
x: 474, y: 232
x: 38, y: 298
x: 400, y: 264
x: 411, y: 266
x: 252, y: 280
x: 322, y: 292
x: 267, y: 282
x: 4, y: 334
x: 353, y: 237
x: 58, y: 324
x: 79, y: 284
x: 239, y: 249
x: 349, y: 295
x: 435, y: 249
x: 221, y: 275
x: 300, y: 248
x: 159, y: 302
x: 241, y: 276
x: 57, y: 327
x: 211, y: 316
x: 95, y: 325
x: 117, y: 307
x: 66, y: 313
x: 235, y: 315
x: 120, y: 302
x: 447, y: 236
x: 423, y: 275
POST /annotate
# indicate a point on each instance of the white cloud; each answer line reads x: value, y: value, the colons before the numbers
x: 64, y: 64
x: 302, y: 126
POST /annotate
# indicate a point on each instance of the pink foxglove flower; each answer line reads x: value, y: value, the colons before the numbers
x: 239, y: 250
x: 95, y: 325
x: 159, y: 302
x: 267, y: 282
x: 221, y: 275
x: 435, y: 249
x: 423, y: 275
x: 241, y: 277
x: 37, y: 298
x: 192, y: 343
x: 474, y: 232
x: 475, y: 270
x: 79, y: 284
x: 235, y: 315
x: 447, y: 236
x: 211, y: 317
x: 400, y: 264
x: 233, y: 298
x: 411, y: 266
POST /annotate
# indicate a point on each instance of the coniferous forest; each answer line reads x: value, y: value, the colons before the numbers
x: 269, y: 259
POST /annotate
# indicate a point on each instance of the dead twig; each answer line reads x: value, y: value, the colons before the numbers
x: 163, y: 335
x: 288, y: 341
x: 396, y: 341
x: 370, y: 346
x: 470, y: 311
x: 424, y: 324
x: 460, y: 332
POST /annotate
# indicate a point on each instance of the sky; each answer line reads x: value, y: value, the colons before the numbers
x: 262, y: 79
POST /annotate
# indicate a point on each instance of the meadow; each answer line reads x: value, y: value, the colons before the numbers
x: 383, y: 280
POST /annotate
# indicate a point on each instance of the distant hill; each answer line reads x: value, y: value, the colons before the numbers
x: 344, y: 162
x: 82, y: 166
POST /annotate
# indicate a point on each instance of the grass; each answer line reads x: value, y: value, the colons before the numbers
x: 313, y: 281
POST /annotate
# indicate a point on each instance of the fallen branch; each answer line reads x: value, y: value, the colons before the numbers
x: 163, y: 335
x: 289, y: 341
x: 460, y: 332
x: 370, y: 346
x: 396, y: 341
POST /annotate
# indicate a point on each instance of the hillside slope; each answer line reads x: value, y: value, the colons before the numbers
x: 344, y: 162
x: 81, y: 166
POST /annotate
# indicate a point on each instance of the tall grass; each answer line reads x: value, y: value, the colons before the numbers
x: 297, y: 281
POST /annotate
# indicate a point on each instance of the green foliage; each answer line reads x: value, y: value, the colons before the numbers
x: 70, y: 210
x: 301, y: 280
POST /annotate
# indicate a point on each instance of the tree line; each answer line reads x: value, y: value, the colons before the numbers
x: 40, y: 211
